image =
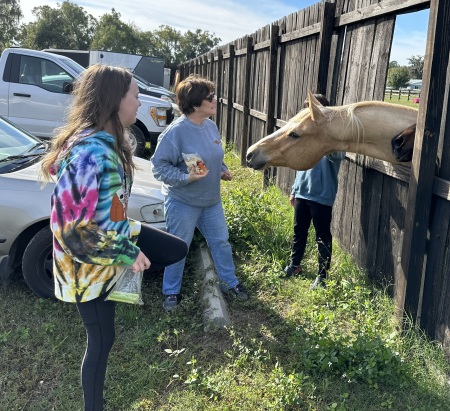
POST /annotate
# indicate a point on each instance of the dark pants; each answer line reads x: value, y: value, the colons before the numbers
x: 304, y: 212
x: 162, y: 249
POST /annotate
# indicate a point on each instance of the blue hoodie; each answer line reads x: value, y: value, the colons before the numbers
x: 319, y: 183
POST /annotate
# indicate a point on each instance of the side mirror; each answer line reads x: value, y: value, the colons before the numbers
x: 67, y: 87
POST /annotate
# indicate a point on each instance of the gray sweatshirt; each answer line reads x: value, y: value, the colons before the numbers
x: 184, y: 137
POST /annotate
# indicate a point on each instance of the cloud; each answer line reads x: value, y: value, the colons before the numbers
x: 231, y: 19
x: 228, y: 19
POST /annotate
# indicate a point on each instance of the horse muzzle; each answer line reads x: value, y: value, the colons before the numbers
x: 256, y: 160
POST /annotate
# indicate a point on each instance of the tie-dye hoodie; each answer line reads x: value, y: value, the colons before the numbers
x: 92, y: 236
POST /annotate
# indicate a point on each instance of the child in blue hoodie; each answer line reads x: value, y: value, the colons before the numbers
x: 312, y: 196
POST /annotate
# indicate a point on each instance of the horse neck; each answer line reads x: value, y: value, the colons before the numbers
x: 369, y: 122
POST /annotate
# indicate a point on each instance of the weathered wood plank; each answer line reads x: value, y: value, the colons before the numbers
x: 246, y: 98
x: 230, y: 79
x: 271, y: 83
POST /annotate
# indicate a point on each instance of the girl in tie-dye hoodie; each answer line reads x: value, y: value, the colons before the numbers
x: 93, y: 238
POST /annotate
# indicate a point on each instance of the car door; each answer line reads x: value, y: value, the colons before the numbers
x: 39, y: 96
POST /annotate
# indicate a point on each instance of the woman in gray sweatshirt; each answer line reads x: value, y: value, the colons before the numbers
x: 189, y: 161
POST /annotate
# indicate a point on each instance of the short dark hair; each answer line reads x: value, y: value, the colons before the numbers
x: 320, y: 98
x: 192, y: 91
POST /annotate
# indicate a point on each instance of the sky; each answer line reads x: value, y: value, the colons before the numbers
x: 231, y: 19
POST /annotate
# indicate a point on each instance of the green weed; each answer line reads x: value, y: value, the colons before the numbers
x: 288, y: 348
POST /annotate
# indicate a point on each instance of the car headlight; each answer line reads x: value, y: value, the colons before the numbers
x: 166, y: 98
x: 159, y: 115
x: 153, y: 213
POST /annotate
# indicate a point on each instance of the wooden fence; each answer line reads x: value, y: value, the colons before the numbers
x: 394, y: 220
x: 408, y: 95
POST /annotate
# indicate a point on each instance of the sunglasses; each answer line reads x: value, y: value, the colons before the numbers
x: 210, y: 97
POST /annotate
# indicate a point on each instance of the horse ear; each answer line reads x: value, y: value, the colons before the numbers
x: 314, y: 107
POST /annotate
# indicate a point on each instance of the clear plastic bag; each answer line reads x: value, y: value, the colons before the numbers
x: 194, y: 161
x: 127, y: 289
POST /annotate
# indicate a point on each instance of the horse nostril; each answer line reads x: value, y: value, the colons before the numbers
x: 249, y: 156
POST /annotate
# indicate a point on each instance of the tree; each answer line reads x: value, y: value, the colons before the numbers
x: 112, y: 34
x: 10, y: 15
x: 194, y: 44
x: 393, y: 64
x: 398, y: 77
x: 416, y: 66
x: 174, y: 47
x: 68, y: 26
x: 165, y: 44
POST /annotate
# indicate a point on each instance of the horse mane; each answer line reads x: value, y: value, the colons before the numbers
x: 335, y: 111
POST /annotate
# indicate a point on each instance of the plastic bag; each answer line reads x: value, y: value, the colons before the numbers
x: 127, y: 289
x: 194, y: 160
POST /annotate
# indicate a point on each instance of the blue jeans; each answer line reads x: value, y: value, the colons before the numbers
x: 181, y: 220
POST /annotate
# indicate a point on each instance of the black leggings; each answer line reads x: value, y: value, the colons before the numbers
x: 162, y: 249
x: 320, y: 214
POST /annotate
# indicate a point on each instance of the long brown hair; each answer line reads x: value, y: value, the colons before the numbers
x: 97, y: 97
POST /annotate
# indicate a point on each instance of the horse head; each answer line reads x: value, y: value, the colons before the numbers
x: 403, y: 144
x: 299, y: 144
x: 365, y: 128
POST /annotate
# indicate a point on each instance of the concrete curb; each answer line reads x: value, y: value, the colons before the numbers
x: 216, y: 311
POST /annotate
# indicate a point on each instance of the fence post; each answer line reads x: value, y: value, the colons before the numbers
x: 271, y: 88
x: 205, y: 66
x: 219, y: 87
x: 271, y: 79
x: 211, y: 67
x: 326, y: 33
x: 410, y: 280
x: 246, y: 110
x: 230, y: 93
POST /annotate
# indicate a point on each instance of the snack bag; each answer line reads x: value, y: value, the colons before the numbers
x: 194, y: 161
x: 127, y: 289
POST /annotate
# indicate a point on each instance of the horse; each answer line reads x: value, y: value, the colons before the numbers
x: 366, y: 127
x: 403, y: 144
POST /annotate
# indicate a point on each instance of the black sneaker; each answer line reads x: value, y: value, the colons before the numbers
x: 171, y: 301
x: 239, y: 292
x: 318, y: 283
x: 291, y: 270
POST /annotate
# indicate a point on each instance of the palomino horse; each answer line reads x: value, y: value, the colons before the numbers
x: 367, y: 127
x: 403, y: 144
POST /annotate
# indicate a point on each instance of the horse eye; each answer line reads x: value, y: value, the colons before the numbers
x: 293, y: 134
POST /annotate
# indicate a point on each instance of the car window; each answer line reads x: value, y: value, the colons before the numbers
x: 45, y: 74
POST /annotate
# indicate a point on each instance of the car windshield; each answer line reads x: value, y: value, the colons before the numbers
x: 77, y: 68
x: 14, y: 142
x: 141, y: 84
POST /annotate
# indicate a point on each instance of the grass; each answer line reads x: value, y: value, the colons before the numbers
x: 402, y: 101
x: 287, y: 349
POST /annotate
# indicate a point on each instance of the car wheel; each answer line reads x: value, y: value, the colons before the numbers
x: 37, y: 264
x: 140, y: 140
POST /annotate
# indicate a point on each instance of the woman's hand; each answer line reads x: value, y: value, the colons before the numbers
x: 193, y: 176
x: 142, y: 263
x: 226, y: 175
